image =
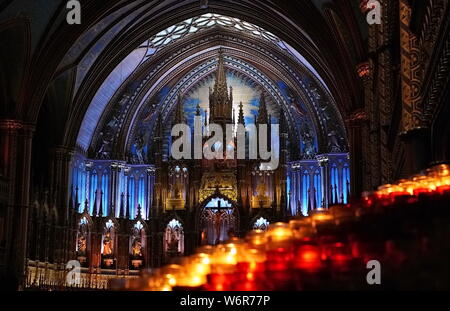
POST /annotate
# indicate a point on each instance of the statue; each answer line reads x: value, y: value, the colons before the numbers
x: 82, y: 245
x: 136, y: 248
x: 139, y: 144
x: 204, y: 237
x: 308, y: 141
x: 172, y: 243
x: 107, y: 244
x: 178, y: 193
x: 333, y: 143
x: 105, y: 148
x: 218, y: 223
x: 261, y: 189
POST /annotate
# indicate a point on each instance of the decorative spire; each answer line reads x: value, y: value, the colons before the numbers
x: 71, y: 205
x: 231, y: 94
x: 179, y: 111
x: 241, y: 119
x: 86, y: 206
x: 159, y: 130
x: 331, y: 195
x: 262, y: 112
x: 348, y: 191
x: 112, y: 210
x: 314, y: 198
x: 220, y: 102
x: 309, y: 202
x: 282, y: 122
x: 336, y: 201
x: 127, y: 215
x: 100, y: 212
x: 94, y: 204
x: 139, y: 214
x: 221, y: 79
x: 299, y: 208
x: 77, y: 204
x: 121, y: 205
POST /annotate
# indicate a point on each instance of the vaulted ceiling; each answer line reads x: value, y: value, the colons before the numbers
x: 130, y: 49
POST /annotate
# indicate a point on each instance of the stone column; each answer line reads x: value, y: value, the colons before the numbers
x: 367, y: 130
x: 355, y: 124
x: 15, y: 164
x: 413, y: 132
x: 114, y: 185
x: 325, y: 184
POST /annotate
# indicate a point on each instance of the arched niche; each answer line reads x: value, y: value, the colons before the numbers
x: 138, y: 244
x: 83, y: 241
x: 109, y: 244
x: 173, y: 239
x: 218, y: 220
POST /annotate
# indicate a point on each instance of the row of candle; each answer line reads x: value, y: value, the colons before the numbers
x: 435, y: 180
x: 305, y: 253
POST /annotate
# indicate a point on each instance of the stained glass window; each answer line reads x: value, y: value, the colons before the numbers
x: 195, y: 24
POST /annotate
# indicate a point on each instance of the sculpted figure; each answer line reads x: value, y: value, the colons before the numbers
x: 107, y: 244
x: 136, y: 248
x: 139, y: 144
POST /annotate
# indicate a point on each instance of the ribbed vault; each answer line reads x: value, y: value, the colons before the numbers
x: 252, y: 55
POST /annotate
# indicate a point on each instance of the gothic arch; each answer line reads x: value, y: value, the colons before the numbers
x: 238, y: 48
x: 202, y: 208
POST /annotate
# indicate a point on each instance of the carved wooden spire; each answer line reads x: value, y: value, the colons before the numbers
x: 263, y: 117
x: 241, y: 119
x: 179, y: 111
x: 221, y: 79
x: 220, y: 101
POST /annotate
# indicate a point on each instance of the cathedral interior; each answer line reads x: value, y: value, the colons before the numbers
x: 87, y: 112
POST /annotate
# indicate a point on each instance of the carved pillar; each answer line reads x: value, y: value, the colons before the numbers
x: 96, y: 240
x: 325, y: 184
x: 123, y: 251
x: 365, y: 73
x: 150, y: 190
x: 113, y: 193
x: 412, y: 127
x: 355, y: 124
x: 60, y: 182
x: 16, y: 142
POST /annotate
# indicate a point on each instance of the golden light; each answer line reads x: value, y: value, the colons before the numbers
x: 320, y: 215
x: 279, y: 231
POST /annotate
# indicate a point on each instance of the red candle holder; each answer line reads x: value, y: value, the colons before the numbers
x: 341, y: 258
x: 308, y: 258
x: 220, y: 281
x: 250, y: 276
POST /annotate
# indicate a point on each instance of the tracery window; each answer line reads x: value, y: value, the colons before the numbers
x: 195, y: 24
